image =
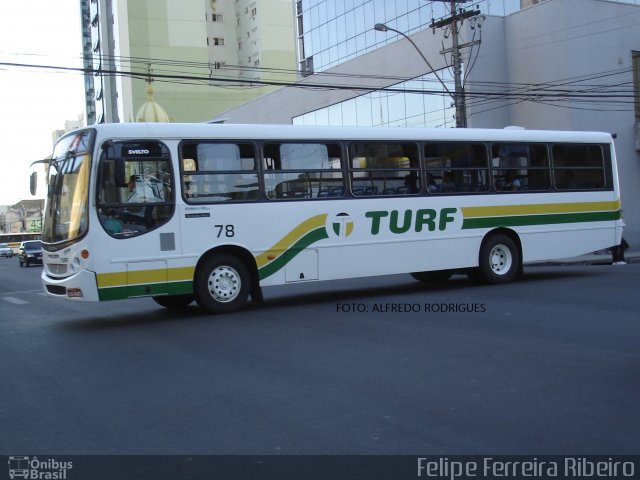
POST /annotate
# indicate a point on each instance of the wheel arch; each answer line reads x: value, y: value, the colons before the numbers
x: 512, y: 234
x: 242, y: 254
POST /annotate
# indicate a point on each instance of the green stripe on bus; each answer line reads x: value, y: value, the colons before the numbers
x: 310, y: 238
x: 148, y: 290
x: 525, y: 220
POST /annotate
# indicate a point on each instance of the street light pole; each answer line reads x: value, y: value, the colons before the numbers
x: 460, y: 120
x: 381, y: 27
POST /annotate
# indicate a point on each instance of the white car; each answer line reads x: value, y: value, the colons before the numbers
x: 5, y: 250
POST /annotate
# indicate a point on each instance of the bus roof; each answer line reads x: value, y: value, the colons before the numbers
x: 298, y: 132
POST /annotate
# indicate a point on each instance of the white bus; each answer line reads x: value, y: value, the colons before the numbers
x: 214, y: 213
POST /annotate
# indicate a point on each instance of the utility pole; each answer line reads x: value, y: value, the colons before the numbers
x: 459, y: 99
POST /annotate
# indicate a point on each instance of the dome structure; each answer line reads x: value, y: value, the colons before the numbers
x: 151, y: 111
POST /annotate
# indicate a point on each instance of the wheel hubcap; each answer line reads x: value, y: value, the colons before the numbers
x: 224, y: 284
x: 500, y: 259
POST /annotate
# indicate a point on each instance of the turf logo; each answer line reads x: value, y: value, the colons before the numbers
x: 341, y: 225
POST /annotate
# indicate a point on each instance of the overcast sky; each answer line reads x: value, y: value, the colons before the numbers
x: 34, y: 103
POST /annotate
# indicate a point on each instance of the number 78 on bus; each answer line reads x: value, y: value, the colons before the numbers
x: 214, y: 213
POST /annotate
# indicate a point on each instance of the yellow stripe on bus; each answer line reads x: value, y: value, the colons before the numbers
x: 117, y: 279
x: 290, y: 238
x: 540, y: 208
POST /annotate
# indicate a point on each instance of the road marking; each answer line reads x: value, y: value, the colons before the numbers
x: 20, y: 292
x: 15, y: 301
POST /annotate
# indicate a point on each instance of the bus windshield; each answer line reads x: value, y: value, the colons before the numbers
x: 66, y: 212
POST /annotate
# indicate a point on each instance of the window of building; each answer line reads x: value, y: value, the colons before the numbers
x: 303, y: 170
x: 379, y: 168
x: 217, y: 17
x: 578, y: 167
x: 456, y: 167
x: 216, y: 41
x: 218, y: 172
x: 519, y: 167
x: 412, y: 108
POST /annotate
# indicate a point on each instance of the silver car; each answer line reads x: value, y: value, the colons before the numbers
x: 5, y: 250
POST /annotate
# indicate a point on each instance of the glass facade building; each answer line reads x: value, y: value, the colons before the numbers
x: 403, y: 105
x: 333, y: 31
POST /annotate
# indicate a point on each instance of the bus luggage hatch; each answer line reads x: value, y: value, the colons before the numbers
x: 302, y: 267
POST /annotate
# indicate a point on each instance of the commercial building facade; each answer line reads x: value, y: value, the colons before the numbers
x: 546, y: 64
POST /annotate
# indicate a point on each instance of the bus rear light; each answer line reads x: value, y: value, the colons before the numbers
x: 74, y: 292
x: 84, y: 254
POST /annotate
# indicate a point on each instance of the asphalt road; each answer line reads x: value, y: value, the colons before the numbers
x: 546, y: 365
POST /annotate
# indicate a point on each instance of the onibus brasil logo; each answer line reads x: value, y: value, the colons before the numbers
x: 34, y: 468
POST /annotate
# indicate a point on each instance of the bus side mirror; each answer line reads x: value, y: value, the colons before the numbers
x: 33, y: 183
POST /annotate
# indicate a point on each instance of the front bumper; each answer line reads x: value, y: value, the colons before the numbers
x: 80, y: 287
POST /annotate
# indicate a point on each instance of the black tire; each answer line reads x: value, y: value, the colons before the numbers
x: 174, y: 301
x: 436, y: 276
x: 222, y: 284
x: 500, y: 260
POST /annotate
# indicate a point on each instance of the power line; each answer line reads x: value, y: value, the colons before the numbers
x: 543, y: 92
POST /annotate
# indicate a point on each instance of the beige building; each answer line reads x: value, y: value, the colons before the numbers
x: 24, y: 216
x: 204, y: 56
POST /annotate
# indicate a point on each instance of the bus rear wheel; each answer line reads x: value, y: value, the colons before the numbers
x: 173, y: 301
x: 500, y: 259
x: 222, y: 284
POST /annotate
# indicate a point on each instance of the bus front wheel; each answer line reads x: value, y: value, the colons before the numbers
x: 499, y: 259
x: 222, y: 284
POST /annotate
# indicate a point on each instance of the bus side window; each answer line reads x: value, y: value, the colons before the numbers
x: 578, y: 167
x: 520, y: 166
x: 218, y: 172
x: 384, y: 169
x: 296, y: 170
x: 456, y: 167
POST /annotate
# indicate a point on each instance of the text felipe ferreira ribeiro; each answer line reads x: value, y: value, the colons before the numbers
x: 531, y: 467
x: 401, y: 307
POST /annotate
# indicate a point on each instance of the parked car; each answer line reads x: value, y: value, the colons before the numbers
x: 30, y: 252
x: 5, y: 250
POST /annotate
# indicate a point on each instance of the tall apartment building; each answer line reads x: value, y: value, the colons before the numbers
x: 203, y: 56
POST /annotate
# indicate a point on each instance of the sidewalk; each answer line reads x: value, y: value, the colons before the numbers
x: 601, y: 257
